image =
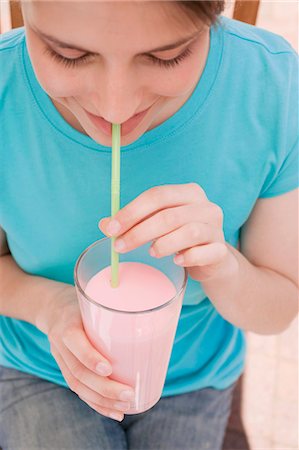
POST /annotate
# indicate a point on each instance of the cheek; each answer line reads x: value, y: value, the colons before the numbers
x: 179, y: 81
x: 55, y: 80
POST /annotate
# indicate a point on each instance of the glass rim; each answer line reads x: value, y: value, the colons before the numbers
x: 89, y: 299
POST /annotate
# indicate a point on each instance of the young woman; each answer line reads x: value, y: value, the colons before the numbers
x: 209, y: 115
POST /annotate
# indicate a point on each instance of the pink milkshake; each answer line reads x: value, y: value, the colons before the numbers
x: 137, y: 348
x: 132, y: 325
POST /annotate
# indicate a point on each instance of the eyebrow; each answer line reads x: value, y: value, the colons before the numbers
x: 75, y: 47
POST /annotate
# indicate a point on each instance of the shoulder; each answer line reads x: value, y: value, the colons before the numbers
x: 10, y: 51
x: 259, y: 81
x: 264, y: 68
x: 250, y: 36
x: 11, y: 64
x: 259, y: 52
x: 11, y: 39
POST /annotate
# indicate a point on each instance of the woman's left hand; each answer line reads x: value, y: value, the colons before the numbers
x: 178, y: 219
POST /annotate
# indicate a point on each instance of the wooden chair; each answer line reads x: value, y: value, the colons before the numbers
x: 16, y: 15
x: 244, y: 10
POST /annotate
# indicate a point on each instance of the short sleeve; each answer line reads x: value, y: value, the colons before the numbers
x: 283, y: 174
x: 287, y: 176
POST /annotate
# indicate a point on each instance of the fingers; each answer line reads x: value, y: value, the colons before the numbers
x: 166, y: 221
x: 80, y: 374
x: 76, y: 341
x: 189, y: 235
x: 204, y: 255
x: 110, y: 408
x: 151, y: 201
x: 79, y: 360
x: 116, y: 415
x: 159, y: 224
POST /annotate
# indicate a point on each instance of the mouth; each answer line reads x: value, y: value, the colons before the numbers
x: 126, y: 127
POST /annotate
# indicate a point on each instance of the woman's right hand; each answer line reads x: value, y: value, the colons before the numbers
x: 85, y: 370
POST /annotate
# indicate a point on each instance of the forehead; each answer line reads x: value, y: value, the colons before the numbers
x: 135, y: 23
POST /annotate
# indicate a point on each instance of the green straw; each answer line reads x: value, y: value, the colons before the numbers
x: 115, y: 198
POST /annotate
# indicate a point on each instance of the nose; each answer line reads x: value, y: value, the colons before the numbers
x: 117, y: 98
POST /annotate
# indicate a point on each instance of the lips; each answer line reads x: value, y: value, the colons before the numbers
x: 126, y: 127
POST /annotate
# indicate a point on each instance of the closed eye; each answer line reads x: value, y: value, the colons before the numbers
x: 75, y: 62
x: 168, y: 63
x: 67, y: 62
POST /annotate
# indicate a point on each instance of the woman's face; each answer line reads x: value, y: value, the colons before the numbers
x: 106, y: 62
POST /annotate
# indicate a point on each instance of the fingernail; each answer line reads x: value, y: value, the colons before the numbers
x: 127, y: 395
x: 179, y: 259
x: 116, y: 416
x: 99, y: 223
x: 113, y: 227
x: 152, y: 252
x: 103, y: 369
x: 119, y: 245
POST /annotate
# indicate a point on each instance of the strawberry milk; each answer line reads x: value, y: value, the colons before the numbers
x: 130, y: 326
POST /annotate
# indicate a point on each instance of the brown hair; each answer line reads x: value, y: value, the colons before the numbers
x: 207, y: 11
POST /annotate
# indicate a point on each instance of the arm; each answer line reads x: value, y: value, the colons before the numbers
x: 23, y: 296
x: 258, y: 288
x: 53, y: 308
x: 255, y: 288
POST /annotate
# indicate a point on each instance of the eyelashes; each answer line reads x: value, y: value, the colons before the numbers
x: 75, y: 62
x: 168, y: 63
x: 67, y: 62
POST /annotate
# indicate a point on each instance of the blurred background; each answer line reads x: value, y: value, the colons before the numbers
x: 265, y: 408
x: 269, y: 406
x: 278, y: 16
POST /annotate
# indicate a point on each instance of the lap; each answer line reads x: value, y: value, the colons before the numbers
x: 40, y: 415
x: 194, y: 421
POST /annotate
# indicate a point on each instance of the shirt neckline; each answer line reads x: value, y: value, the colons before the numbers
x: 193, y: 106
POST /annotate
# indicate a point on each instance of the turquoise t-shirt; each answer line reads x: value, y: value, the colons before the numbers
x: 236, y: 136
